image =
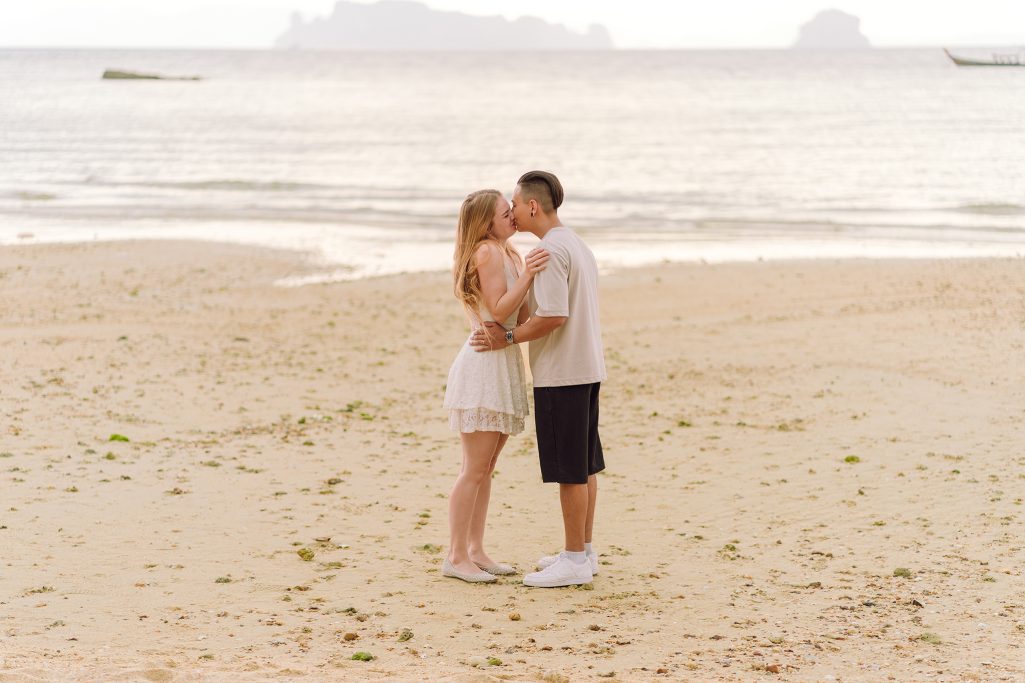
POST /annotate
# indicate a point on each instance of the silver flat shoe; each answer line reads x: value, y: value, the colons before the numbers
x: 478, y: 577
x: 499, y: 569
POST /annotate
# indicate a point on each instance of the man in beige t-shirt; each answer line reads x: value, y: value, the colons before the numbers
x: 568, y: 366
x: 572, y: 353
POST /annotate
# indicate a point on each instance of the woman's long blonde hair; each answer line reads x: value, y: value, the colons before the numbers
x: 476, y: 218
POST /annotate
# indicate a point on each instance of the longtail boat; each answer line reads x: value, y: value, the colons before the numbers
x: 997, y: 59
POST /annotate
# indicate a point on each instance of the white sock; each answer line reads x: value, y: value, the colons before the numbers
x: 577, y: 557
x: 588, y: 549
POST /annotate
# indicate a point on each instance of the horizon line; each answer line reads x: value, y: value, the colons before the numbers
x: 732, y: 48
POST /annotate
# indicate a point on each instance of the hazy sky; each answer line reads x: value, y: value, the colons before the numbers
x: 633, y: 23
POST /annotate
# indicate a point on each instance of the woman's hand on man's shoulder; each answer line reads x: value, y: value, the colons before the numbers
x: 536, y: 260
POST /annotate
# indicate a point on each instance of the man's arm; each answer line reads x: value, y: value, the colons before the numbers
x: 492, y: 336
x: 524, y: 314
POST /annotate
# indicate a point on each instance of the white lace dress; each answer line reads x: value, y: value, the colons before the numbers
x: 486, y: 390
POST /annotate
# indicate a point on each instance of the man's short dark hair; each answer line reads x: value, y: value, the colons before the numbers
x: 543, y: 187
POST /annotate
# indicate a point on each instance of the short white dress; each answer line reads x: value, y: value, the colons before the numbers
x: 486, y: 390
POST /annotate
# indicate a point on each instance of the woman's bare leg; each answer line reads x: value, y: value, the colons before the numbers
x: 479, y: 450
x: 480, y: 511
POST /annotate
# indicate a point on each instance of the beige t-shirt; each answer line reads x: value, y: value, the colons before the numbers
x: 568, y: 286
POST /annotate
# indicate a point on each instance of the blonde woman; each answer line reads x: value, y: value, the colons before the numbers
x: 486, y: 396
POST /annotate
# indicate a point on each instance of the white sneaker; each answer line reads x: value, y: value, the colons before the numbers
x: 562, y: 572
x: 548, y: 560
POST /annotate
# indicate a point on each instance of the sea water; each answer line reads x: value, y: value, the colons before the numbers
x: 362, y: 159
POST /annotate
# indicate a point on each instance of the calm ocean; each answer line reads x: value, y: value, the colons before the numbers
x: 364, y: 158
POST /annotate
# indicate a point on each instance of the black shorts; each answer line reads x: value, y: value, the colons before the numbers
x: 567, y: 432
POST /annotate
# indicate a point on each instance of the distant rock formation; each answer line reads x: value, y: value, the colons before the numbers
x: 832, y: 29
x: 406, y: 25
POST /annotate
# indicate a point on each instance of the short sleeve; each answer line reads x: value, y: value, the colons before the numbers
x: 551, y: 286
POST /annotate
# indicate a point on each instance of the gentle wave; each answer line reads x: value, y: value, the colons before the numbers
x: 273, y: 186
x: 603, y: 209
x: 992, y: 209
x: 229, y: 185
x: 652, y: 229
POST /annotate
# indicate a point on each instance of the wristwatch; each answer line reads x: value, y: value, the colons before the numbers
x: 509, y: 337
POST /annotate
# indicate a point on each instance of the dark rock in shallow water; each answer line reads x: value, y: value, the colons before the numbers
x: 114, y: 74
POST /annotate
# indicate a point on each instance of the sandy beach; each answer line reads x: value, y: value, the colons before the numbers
x: 815, y: 474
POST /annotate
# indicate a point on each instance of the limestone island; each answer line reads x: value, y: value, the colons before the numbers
x: 395, y: 25
x: 832, y: 30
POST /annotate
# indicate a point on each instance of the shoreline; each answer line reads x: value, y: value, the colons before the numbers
x: 318, y: 267
x: 781, y: 438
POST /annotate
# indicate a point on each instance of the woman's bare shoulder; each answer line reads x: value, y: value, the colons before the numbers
x: 488, y: 252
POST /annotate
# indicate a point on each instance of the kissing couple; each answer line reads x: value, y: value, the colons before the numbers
x: 548, y: 300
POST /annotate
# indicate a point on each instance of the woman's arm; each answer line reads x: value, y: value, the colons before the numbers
x: 500, y: 299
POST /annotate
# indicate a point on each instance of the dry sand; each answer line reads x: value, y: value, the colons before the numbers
x: 736, y: 538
